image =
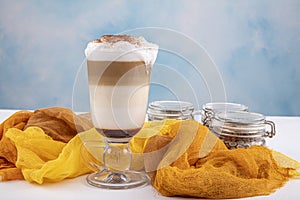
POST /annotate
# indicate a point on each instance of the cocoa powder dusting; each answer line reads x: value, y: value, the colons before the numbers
x: 117, y: 38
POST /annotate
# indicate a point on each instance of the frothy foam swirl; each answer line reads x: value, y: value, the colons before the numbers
x: 121, y: 48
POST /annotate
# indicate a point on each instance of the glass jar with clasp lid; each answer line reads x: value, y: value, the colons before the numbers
x: 209, y: 109
x: 240, y: 129
x: 159, y: 110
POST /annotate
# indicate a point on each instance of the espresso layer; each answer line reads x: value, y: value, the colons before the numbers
x: 117, y: 73
x: 118, y: 133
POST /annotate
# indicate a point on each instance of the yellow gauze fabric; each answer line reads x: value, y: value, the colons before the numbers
x: 43, y: 159
x: 207, y: 169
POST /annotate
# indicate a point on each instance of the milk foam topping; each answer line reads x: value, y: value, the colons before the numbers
x: 121, y: 48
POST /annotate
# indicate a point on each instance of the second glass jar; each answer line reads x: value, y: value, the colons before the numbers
x: 240, y: 129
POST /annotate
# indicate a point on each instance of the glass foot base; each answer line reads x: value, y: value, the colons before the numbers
x: 118, y: 180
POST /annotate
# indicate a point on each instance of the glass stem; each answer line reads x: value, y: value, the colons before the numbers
x: 117, y: 157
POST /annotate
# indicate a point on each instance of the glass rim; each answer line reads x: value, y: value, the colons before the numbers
x: 240, y: 117
x: 171, y: 106
x: 224, y: 106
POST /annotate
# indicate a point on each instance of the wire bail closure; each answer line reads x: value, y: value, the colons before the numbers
x: 271, y: 133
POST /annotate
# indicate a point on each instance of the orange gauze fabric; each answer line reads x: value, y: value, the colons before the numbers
x: 8, y: 152
x: 17, y: 120
x: 207, y: 169
x: 59, y: 124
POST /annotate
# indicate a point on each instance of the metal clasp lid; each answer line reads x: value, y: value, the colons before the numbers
x: 272, y: 132
x: 209, y: 110
x: 159, y: 110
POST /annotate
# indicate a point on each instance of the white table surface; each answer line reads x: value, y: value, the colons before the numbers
x: 286, y: 141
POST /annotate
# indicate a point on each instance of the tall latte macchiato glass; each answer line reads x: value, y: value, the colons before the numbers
x: 119, y: 68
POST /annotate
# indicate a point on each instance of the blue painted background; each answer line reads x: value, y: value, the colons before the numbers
x: 255, y: 45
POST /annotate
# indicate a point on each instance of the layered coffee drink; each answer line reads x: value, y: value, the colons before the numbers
x: 119, y: 68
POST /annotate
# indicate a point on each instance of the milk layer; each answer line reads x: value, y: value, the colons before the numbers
x: 119, y: 107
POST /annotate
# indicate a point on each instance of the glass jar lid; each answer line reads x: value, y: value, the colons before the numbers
x: 209, y: 109
x: 170, y: 109
x: 220, y: 106
x: 240, y: 118
x: 241, y: 124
